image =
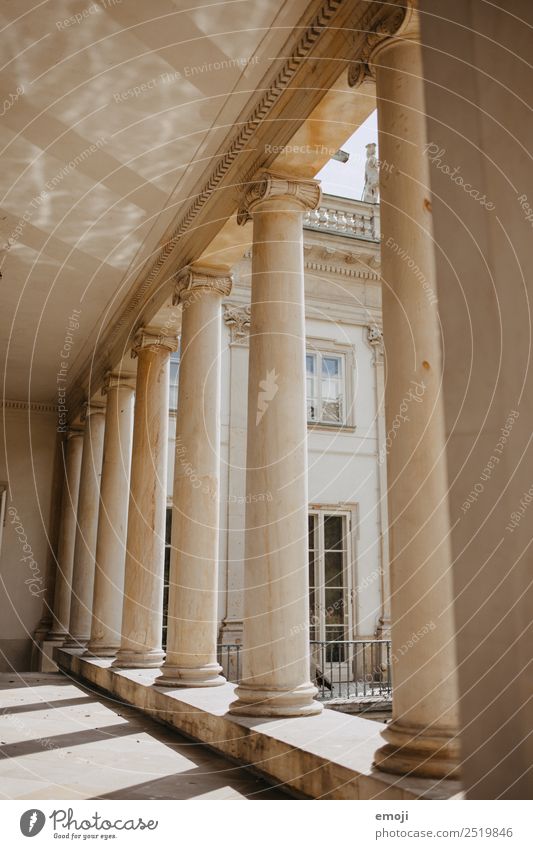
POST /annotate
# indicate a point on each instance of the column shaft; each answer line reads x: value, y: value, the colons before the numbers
x: 142, y: 612
x: 191, y: 658
x: 72, y: 453
x: 112, y: 520
x: 421, y: 738
x: 87, y: 526
x: 276, y: 663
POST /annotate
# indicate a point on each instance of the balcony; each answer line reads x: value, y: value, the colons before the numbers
x: 340, y: 216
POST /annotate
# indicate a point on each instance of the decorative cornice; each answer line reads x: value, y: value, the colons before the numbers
x: 193, y: 281
x: 343, y: 264
x: 397, y: 23
x: 238, y: 320
x: 272, y: 186
x: 152, y: 338
x: 33, y: 406
x: 354, y: 272
x: 118, y: 380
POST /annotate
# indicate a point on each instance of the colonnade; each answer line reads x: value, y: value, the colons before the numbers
x: 112, y: 556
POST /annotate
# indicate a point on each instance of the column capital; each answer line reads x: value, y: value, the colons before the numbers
x: 153, y: 338
x: 118, y: 380
x: 194, y: 280
x: 397, y: 23
x: 74, y: 432
x: 91, y: 408
x: 270, y: 185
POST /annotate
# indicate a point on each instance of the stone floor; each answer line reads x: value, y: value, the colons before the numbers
x: 59, y: 740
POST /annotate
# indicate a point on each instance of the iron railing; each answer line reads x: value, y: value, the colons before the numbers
x: 340, y: 669
x: 346, y: 669
x: 229, y: 657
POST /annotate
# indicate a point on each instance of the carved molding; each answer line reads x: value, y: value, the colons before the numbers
x: 118, y: 380
x: 342, y: 271
x: 193, y: 281
x: 374, y: 337
x: 238, y: 320
x: 33, y: 406
x: 397, y: 23
x: 152, y: 338
x: 272, y: 186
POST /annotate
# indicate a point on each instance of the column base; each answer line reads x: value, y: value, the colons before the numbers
x: 416, y: 750
x: 75, y: 643
x: 257, y: 701
x: 57, y: 637
x: 199, y: 676
x: 96, y: 650
x: 128, y: 659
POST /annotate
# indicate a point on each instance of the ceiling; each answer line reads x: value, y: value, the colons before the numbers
x: 109, y: 120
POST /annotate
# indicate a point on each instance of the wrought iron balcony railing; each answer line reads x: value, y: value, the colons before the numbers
x: 343, y: 669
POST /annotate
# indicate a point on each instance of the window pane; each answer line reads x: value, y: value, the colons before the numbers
x: 330, y: 389
x: 334, y: 532
x: 311, y: 525
x: 334, y: 606
x: 312, y: 570
x: 331, y: 366
x: 174, y: 371
x: 310, y: 363
x: 335, y: 653
x: 333, y: 561
x: 168, y: 526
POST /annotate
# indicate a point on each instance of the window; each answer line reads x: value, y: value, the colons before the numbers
x: 329, y: 579
x: 166, y: 579
x: 174, y: 371
x: 326, y: 388
x: 3, y: 499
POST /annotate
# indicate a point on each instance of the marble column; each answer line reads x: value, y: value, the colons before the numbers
x: 422, y: 737
x: 87, y: 526
x: 276, y: 662
x: 142, y: 612
x: 112, y: 520
x: 191, y: 659
x: 72, y: 449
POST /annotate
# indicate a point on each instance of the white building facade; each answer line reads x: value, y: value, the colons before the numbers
x: 348, y: 562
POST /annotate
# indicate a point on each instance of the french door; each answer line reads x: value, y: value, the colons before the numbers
x: 330, y: 585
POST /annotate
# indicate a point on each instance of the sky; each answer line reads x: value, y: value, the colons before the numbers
x: 348, y: 180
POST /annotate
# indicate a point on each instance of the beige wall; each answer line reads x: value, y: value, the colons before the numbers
x: 28, y: 466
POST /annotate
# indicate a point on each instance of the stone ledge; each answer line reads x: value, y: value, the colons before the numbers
x: 327, y: 756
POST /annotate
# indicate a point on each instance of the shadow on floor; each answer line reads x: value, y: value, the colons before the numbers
x: 106, y: 750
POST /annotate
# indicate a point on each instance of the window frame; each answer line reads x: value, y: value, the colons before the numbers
x: 320, y: 348
x: 173, y: 388
x: 349, y: 514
